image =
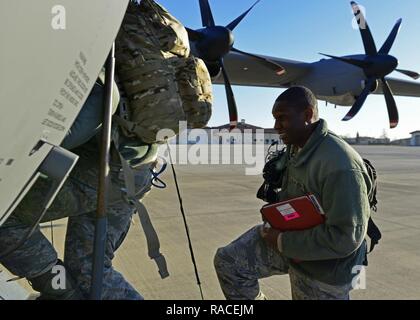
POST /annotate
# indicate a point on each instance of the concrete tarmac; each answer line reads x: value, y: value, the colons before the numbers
x: 220, y: 205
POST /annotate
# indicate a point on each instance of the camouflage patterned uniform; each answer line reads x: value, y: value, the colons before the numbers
x: 77, y: 200
x: 242, y: 263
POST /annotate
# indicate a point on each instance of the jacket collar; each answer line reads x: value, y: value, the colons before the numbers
x: 320, y: 132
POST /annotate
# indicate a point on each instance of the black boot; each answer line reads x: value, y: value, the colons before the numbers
x: 47, y: 285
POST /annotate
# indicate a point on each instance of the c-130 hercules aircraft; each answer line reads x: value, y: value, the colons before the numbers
x: 344, y: 81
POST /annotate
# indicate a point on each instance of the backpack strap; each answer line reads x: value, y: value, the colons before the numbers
x: 373, y: 177
x: 135, y: 198
x: 374, y: 234
x: 373, y: 231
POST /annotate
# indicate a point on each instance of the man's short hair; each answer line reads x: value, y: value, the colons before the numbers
x: 299, y: 98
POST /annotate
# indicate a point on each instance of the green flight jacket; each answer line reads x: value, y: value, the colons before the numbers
x: 335, y: 173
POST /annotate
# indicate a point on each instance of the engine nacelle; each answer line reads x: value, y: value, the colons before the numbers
x: 349, y: 98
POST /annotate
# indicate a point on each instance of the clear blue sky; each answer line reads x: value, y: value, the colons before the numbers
x: 298, y: 30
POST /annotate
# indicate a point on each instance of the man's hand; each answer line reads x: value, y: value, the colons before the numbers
x: 270, y: 236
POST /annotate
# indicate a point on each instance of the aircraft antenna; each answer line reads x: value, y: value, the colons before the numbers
x: 101, y: 216
x: 185, y: 222
x: 52, y: 233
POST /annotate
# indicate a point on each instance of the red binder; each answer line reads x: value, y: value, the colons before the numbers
x: 295, y: 214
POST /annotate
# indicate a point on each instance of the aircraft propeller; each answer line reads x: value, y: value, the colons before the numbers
x: 376, y: 65
x: 213, y: 43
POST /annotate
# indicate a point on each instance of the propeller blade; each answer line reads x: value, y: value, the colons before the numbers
x: 390, y: 104
x: 412, y: 74
x: 357, y: 63
x: 278, y: 69
x: 194, y: 35
x: 368, y: 42
x: 206, y: 15
x: 391, y: 38
x: 360, y: 100
x: 233, y: 110
x: 235, y: 22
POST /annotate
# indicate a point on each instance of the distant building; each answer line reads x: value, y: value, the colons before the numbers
x: 415, y: 138
x: 244, y: 133
x: 401, y: 142
x: 367, y: 140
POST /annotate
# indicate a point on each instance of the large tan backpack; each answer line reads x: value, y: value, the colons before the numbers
x: 163, y: 85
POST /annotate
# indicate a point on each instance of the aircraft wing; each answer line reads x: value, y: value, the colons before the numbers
x: 50, y: 58
x: 261, y: 71
x: 402, y: 87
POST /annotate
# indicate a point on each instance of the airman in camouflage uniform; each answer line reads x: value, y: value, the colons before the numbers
x: 76, y: 200
x: 321, y: 260
x: 162, y: 86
